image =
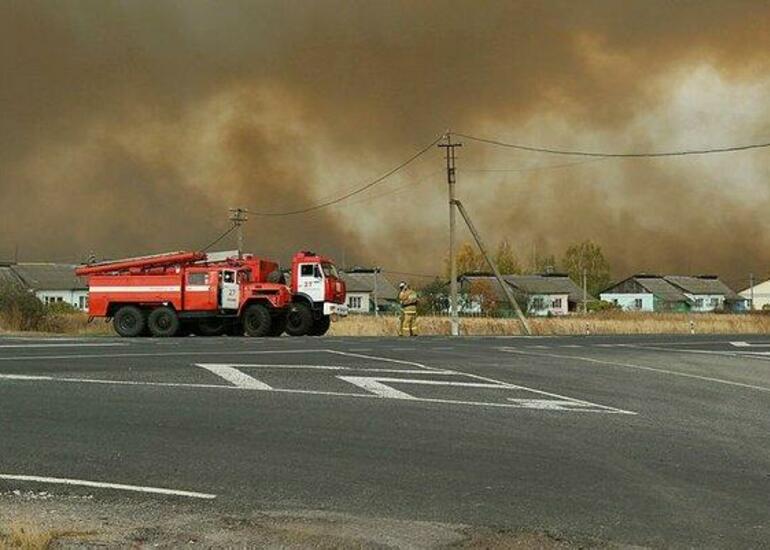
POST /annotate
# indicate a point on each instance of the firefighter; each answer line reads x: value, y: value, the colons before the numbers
x: 408, y: 300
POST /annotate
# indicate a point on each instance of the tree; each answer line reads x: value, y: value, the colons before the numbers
x: 505, y: 259
x: 469, y: 260
x: 434, y: 298
x: 483, y: 292
x: 587, y: 256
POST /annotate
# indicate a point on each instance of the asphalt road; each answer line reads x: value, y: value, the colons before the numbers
x: 653, y: 441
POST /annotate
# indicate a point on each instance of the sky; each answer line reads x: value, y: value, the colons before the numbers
x: 130, y: 128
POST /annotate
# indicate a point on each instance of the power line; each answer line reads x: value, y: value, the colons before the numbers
x: 222, y: 236
x: 533, y: 168
x: 408, y: 274
x: 361, y: 189
x: 615, y: 155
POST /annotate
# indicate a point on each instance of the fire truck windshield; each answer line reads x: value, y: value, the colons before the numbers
x: 330, y: 270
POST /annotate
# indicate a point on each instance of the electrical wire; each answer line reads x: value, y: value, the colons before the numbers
x: 356, y: 191
x: 533, y: 168
x: 424, y: 275
x: 222, y: 236
x: 614, y: 155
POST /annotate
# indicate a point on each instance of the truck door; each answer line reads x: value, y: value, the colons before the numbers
x: 229, y: 292
x: 311, y: 281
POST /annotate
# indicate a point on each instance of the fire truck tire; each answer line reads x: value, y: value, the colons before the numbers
x: 278, y: 325
x: 163, y: 322
x: 256, y: 320
x: 210, y: 327
x: 300, y: 320
x: 129, y: 321
x: 321, y: 326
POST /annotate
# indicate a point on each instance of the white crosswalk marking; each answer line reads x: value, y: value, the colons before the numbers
x: 236, y: 377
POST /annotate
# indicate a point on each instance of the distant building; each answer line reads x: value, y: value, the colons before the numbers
x: 673, y: 293
x: 761, y: 295
x: 539, y: 295
x: 363, y: 284
x: 51, y: 283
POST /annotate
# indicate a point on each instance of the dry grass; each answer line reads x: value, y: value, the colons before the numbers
x: 74, y: 324
x: 23, y: 537
x: 598, y: 323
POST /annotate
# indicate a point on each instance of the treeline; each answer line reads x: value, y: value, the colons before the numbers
x: 585, y: 256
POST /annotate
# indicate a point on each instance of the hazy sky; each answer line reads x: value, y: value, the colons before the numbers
x: 130, y: 127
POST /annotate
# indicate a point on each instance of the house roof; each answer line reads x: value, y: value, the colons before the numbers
x: 535, y: 284
x: 704, y: 284
x: 662, y: 289
x: 48, y: 276
x: 8, y: 275
x: 363, y: 281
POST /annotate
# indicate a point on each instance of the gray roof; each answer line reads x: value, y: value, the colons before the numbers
x: 45, y: 276
x: 662, y: 289
x: 534, y: 284
x: 363, y: 281
x: 702, y: 285
x: 8, y: 275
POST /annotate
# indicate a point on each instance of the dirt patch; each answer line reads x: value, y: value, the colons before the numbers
x: 36, y: 521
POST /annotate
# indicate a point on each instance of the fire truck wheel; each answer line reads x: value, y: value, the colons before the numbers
x: 321, y: 326
x: 163, y: 322
x: 300, y: 320
x: 256, y: 320
x: 129, y: 321
x: 278, y: 325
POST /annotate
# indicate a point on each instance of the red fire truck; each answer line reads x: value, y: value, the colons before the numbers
x: 213, y: 294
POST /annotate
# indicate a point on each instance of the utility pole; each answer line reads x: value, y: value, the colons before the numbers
x: 751, y: 291
x: 238, y: 216
x: 506, y: 289
x: 585, y: 292
x: 376, y: 309
x: 450, y: 177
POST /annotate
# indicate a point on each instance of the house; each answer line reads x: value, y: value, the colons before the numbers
x: 675, y: 293
x: 708, y: 293
x: 364, y: 286
x: 539, y: 295
x: 51, y: 283
x: 760, y: 294
x: 646, y: 292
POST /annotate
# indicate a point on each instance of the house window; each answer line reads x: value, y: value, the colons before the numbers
x: 354, y: 302
x: 556, y: 303
x: 538, y: 303
x: 638, y: 303
x: 715, y: 302
x: 699, y: 302
x: 83, y: 302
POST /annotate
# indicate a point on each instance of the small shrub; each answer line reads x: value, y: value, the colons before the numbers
x: 19, y: 308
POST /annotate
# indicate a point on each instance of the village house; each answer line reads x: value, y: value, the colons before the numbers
x: 673, y: 293
x: 365, y: 286
x: 538, y: 295
x: 760, y: 294
x: 52, y: 283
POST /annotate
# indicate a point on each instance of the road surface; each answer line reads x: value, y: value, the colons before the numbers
x: 651, y: 441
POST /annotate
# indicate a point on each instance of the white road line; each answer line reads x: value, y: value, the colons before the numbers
x: 379, y: 358
x: 643, y: 367
x: 154, y: 354
x: 571, y: 346
x: 234, y: 376
x: 101, y: 485
x: 749, y: 345
x: 327, y: 367
x: 374, y: 386
x: 65, y: 345
x: 594, y: 407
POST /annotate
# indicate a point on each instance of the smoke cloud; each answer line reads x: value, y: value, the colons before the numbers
x: 131, y: 127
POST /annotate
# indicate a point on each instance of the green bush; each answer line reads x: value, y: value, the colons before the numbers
x: 20, y: 309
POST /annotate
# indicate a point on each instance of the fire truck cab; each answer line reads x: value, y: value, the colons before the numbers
x: 318, y: 294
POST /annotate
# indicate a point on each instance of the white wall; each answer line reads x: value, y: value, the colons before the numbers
x: 630, y: 302
x: 548, y: 307
x: 761, y: 295
x: 361, y: 301
x: 76, y: 298
x: 707, y: 302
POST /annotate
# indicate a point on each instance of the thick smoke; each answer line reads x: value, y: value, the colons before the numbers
x: 130, y: 127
